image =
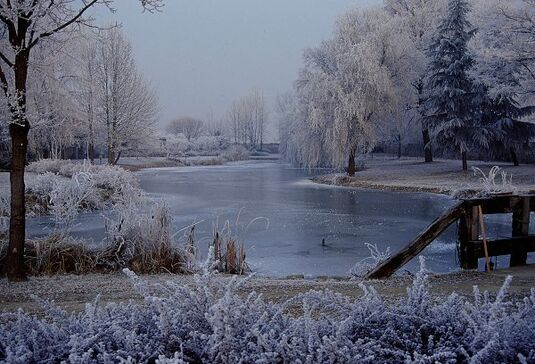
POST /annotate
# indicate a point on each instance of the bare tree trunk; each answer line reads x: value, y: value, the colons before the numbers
x: 18, y: 131
x: 17, y: 222
x: 351, y: 167
x: 399, y: 146
x: 428, y: 152
x: 465, y: 160
x: 514, y: 157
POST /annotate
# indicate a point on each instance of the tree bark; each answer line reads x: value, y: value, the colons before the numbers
x: 351, y: 167
x: 514, y: 157
x: 399, y: 146
x: 428, y: 152
x: 17, y: 223
x: 465, y: 160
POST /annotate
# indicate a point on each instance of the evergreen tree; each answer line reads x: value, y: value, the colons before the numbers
x: 454, y: 114
x: 515, y: 135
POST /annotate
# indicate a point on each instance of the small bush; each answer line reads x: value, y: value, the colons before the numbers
x: 72, y: 187
x: 235, y: 153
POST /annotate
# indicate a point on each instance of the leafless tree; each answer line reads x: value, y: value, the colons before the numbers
x: 128, y: 104
x: 191, y: 128
x: 24, y: 24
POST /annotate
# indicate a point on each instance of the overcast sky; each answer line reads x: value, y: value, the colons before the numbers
x: 203, y: 54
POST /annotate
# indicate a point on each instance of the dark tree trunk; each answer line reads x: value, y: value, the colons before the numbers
x: 91, y: 152
x: 428, y: 152
x: 351, y: 167
x: 116, y: 160
x: 18, y: 131
x: 514, y: 157
x: 465, y: 160
x: 399, y: 147
x: 17, y: 223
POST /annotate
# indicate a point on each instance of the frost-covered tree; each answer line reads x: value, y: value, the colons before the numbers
x: 191, y: 128
x: 24, y: 24
x: 347, y: 85
x: 501, y: 66
x: 247, y: 119
x: 418, y: 20
x: 127, y: 101
x: 454, y: 114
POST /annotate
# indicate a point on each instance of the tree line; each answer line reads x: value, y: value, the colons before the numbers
x: 458, y: 73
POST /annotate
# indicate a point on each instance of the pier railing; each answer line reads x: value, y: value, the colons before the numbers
x: 471, y: 235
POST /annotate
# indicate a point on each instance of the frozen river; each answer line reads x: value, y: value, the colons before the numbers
x: 300, y: 214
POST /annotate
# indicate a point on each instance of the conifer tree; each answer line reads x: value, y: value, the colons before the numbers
x: 453, y: 113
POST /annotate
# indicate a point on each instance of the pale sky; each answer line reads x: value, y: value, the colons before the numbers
x: 203, y: 54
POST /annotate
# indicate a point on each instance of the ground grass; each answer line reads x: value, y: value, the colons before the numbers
x: 413, y: 175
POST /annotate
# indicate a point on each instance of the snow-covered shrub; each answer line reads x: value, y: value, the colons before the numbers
x: 364, y: 266
x: 80, y: 187
x: 490, y: 186
x: 142, y: 241
x: 235, y: 153
x: 47, y: 165
x: 177, y: 145
x: 210, y: 143
x: 212, y: 322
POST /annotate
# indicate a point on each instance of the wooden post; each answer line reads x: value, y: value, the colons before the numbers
x: 468, y: 231
x: 415, y: 247
x: 520, y: 228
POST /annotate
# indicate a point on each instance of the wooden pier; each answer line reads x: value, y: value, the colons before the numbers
x: 472, y: 244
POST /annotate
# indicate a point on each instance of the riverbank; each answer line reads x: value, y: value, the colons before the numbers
x: 71, y: 292
x: 412, y: 175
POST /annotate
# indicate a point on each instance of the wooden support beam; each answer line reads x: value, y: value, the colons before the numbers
x: 415, y: 247
x: 468, y: 231
x: 503, y: 246
x: 521, y: 213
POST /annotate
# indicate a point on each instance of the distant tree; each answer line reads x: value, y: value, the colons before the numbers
x: 191, y: 128
x: 127, y: 102
x: 24, y: 24
x: 247, y: 118
x: 454, y: 114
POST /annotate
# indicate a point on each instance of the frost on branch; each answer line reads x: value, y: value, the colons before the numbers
x: 211, y: 321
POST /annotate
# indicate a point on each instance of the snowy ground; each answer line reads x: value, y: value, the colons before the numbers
x: 441, y: 176
x: 72, y: 292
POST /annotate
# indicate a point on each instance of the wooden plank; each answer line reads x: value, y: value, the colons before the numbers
x: 388, y: 267
x: 496, y: 204
x: 503, y: 246
x: 521, y: 213
x: 501, y: 204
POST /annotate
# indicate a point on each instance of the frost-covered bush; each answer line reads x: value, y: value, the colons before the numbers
x: 142, y: 241
x: 177, y: 145
x: 80, y: 187
x: 212, y: 322
x: 235, y: 153
x: 364, y: 266
x: 490, y: 185
x: 210, y: 143
x: 47, y: 165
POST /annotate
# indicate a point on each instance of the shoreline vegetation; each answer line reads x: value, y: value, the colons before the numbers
x: 72, y: 291
x: 414, y: 175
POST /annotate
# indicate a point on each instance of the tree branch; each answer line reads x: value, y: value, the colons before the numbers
x: 74, y: 19
x: 6, y: 60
